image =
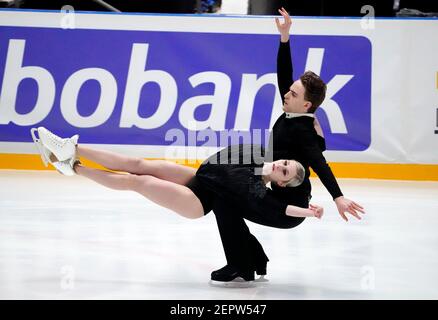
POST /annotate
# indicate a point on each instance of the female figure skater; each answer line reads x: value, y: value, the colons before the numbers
x: 184, y: 190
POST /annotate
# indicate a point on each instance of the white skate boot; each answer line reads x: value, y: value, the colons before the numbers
x: 63, y: 167
x: 63, y: 149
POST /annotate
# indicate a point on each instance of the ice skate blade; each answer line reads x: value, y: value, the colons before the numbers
x: 236, y: 283
x: 261, y: 279
x: 39, y: 146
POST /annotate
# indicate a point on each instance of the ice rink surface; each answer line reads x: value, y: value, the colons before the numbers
x: 69, y: 238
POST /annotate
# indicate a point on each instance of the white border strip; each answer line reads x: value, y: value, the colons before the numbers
x: 183, y: 23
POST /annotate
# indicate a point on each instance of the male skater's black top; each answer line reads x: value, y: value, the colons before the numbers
x: 296, y: 138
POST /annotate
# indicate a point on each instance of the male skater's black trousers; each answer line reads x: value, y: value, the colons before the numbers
x: 242, y: 250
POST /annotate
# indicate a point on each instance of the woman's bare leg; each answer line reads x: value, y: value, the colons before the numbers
x: 165, y: 170
x: 170, y: 195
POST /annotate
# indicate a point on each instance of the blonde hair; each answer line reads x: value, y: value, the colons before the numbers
x: 299, y: 177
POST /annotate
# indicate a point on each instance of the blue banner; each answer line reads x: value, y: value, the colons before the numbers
x: 134, y: 87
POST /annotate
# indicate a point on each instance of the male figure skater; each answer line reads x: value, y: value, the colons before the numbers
x: 295, y: 135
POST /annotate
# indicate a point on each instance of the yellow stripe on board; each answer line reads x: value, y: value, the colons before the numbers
x: 392, y: 171
x: 420, y: 172
x: 437, y: 79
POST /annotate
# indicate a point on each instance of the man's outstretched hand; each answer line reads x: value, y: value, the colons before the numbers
x: 284, y: 27
x: 346, y: 205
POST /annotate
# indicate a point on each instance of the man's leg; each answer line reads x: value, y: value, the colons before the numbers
x: 242, y: 250
x: 259, y: 256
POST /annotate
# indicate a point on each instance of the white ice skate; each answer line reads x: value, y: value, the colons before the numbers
x: 63, y: 149
x: 63, y: 167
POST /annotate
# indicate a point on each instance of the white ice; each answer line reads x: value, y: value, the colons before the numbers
x: 69, y: 238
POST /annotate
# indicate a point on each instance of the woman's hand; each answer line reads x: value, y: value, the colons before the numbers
x: 284, y: 28
x: 317, y: 210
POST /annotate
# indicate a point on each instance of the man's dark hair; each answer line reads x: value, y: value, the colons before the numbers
x: 315, y: 89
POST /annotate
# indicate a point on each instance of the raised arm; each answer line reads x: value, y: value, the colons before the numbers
x: 284, y: 60
x: 284, y: 27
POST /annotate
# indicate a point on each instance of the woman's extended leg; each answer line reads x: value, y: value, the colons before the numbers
x: 170, y: 195
x: 165, y: 170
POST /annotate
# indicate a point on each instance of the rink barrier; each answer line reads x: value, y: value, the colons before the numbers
x: 386, y: 171
x: 371, y: 121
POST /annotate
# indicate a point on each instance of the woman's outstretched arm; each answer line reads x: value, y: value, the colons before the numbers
x: 312, y: 211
